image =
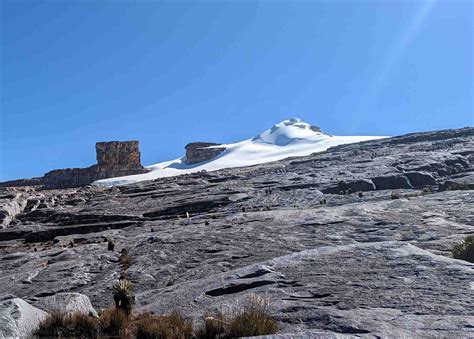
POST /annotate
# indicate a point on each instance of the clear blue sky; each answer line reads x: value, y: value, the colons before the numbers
x: 170, y: 72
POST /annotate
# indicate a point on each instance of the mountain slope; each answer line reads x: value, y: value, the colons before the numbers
x: 289, y: 138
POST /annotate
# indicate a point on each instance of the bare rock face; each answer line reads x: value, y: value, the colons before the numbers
x: 197, y: 152
x: 116, y: 159
x: 112, y: 153
x: 68, y: 178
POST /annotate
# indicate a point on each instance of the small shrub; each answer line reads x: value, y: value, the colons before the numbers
x: 114, y: 323
x: 343, y: 187
x: 394, y: 196
x: 60, y: 324
x: 110, y: 245
x: 123, y: 296
x: 427, y: 190
x: 465, y: 249
x: 126, y: 259
x: 361, y: 194
x: 253, y: 320
x: 173, y: 325
x: 213, y: 327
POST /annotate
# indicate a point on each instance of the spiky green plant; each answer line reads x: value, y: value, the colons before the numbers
x: 123, y: 296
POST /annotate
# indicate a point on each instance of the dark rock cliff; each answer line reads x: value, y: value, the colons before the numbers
x: 197, y: 152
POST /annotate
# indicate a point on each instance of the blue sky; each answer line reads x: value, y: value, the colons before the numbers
x: 170, y: 72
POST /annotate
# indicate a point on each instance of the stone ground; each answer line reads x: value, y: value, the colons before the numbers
x: 372, y: 261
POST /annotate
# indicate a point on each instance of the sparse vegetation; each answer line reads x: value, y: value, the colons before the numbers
x: 254, y: 319
x: 110, y: 245
x: 465, y: 249
x: 343, y: 187
x: 123, y: 296
x: 114, y: 323
x: 60, y: 324
x: 427, y: 190
x: 173, y: 325
x: 126, y: 259
x: 394, y: 195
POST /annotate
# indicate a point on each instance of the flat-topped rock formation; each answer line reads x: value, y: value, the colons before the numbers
x: 114, y: 159
x: 352, y: 241
x: 197, y: 152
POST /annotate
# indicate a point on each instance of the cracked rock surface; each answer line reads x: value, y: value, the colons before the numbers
x: 356, y: 240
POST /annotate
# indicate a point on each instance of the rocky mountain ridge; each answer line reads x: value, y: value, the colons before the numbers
x: 355, y: 240
x: 114, y: 159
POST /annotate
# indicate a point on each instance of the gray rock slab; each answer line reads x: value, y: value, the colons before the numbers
x: 18, y: 318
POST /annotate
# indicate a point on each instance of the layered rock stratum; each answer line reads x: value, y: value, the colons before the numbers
x: 197, y: 152
x: 355, y: 240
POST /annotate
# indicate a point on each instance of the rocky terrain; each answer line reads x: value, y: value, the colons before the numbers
x: 352, y: 241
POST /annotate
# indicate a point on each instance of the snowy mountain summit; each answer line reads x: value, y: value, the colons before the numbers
x: 288, y: 131
x: 289, y: 138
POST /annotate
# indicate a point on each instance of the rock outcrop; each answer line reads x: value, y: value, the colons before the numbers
x: 114, y: 159
x: 68, y: 303
x: 197, y: 152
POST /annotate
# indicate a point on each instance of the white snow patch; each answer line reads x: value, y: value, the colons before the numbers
x: 289, y: 138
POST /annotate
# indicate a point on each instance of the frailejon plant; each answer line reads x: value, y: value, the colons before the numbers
x: 123, y: 296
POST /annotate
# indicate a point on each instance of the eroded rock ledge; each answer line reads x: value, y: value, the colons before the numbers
x: 197, y: 152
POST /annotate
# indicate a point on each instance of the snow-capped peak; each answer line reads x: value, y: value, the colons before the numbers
x: 289, y: 138
x: 287, y: 132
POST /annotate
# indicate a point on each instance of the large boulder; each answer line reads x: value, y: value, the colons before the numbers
x: 68, y: 303
x: 18, y: 318
x: 11, y: 204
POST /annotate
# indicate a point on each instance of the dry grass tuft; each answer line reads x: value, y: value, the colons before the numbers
x: 114, y: 323
x: 60, y: 324
x: 253, y: 320
x: 173, y: 325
